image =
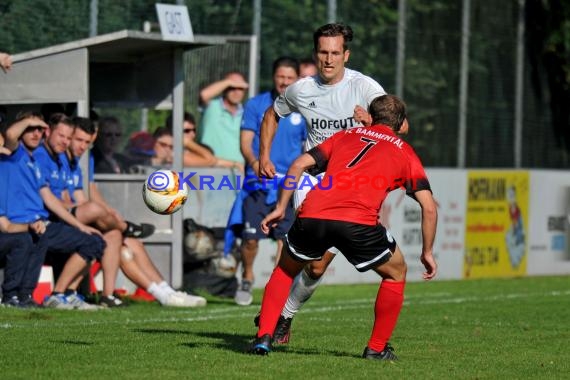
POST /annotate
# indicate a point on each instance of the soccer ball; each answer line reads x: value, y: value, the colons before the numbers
x: 162, y: 194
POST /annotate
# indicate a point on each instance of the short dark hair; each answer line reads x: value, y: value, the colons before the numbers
x: 84, y: 124
x: 24, y: 114
x: 187, y: 117
x: 60, y: 118
x: 161, y: 131
x: 286, y: 61
x: 333, y: 30
x: 388, y: 110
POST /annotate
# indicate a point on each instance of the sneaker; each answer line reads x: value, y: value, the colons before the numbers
x: 386, y: 354
x: 27, y: 302
x: 243, y: 296
x: 192, y: 300
x: 11, y: 301
x: 78, y: 302
x: 177, y: 300
x: 282, y: 330
x: 57, y: 301
x: 261, y: 346
x: 138, y: 231
x: 111, y: 301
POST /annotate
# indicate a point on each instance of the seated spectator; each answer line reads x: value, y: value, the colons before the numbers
x: 151, y: 150
x: 106, y: 149
x: 68, y: 241
x: 221, y: 116
x: 16, y: 248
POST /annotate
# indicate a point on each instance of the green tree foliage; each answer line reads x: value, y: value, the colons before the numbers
x: 34, y: 24
x: 431, y: 69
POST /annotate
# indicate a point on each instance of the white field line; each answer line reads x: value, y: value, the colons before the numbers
x: 238, y: 312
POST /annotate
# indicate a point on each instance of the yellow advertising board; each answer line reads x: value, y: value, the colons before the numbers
x: 496, y: 226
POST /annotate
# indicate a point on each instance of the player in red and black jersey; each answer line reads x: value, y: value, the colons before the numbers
x: 362, y: 166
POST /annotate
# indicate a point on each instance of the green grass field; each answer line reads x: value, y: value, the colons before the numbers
x: 478, y: 329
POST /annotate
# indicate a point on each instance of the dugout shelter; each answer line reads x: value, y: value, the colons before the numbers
x: 121, y: 69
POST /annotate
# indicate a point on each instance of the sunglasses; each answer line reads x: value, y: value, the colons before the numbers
x: 35, y: 128
x: 188, y: 130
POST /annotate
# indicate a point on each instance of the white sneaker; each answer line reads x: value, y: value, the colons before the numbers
x: 192, y: 300
x: 177, y: 300
x: 78, y: 303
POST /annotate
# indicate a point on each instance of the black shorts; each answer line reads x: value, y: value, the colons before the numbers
x: 364, y: 246
x: 255, y: 208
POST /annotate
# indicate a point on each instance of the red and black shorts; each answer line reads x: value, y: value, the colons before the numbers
x: 364, y: 246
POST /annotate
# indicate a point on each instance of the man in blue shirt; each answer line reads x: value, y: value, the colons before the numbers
x: 28, y: 192
x: 289, y: 144
x: 51, y: 159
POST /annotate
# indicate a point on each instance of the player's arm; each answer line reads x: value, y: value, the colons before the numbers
x: 56, y: 206
x: 429, y: 224
x: 267, y: 134
x: 66, y: 199
x: 302, y: 163
x: 246, y: 141
x: 10, y: 228
x: 79, y: 196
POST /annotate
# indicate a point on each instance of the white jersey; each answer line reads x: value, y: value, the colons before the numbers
x: 328, y: 108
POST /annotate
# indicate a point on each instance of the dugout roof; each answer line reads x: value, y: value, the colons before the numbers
x: 129, y: 68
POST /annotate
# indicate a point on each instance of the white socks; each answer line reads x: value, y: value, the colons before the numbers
x: 302, y: 289
x: 167, y: 288
x: 158, y: 292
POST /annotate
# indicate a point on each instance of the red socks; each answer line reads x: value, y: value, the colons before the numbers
x: 274, y: 298
x: 386, y: 310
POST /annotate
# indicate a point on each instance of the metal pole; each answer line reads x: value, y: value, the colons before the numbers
x: 401, y: 46
x: 519, y: 86
x: 176, y: 263
x: 463, y: 84
x: 255, y: 49
x: 94, y: 14
x: 331, y: 11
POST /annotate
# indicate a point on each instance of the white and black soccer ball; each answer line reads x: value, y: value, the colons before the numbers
x: 162, y: 192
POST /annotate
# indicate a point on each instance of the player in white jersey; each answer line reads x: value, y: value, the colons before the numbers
x: 332, y: 101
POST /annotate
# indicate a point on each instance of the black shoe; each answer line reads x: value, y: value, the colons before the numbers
x: 386, y: 354
x: 111, y: 301
x: 11, y: 301
x: 138, y: 231
x: 27, y: 302
x: 261, y: 346
x: 282, y: 330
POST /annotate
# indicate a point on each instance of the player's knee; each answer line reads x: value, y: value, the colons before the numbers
x: 250, y: 244
x: 315, y: 270
x: 95, y: 211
